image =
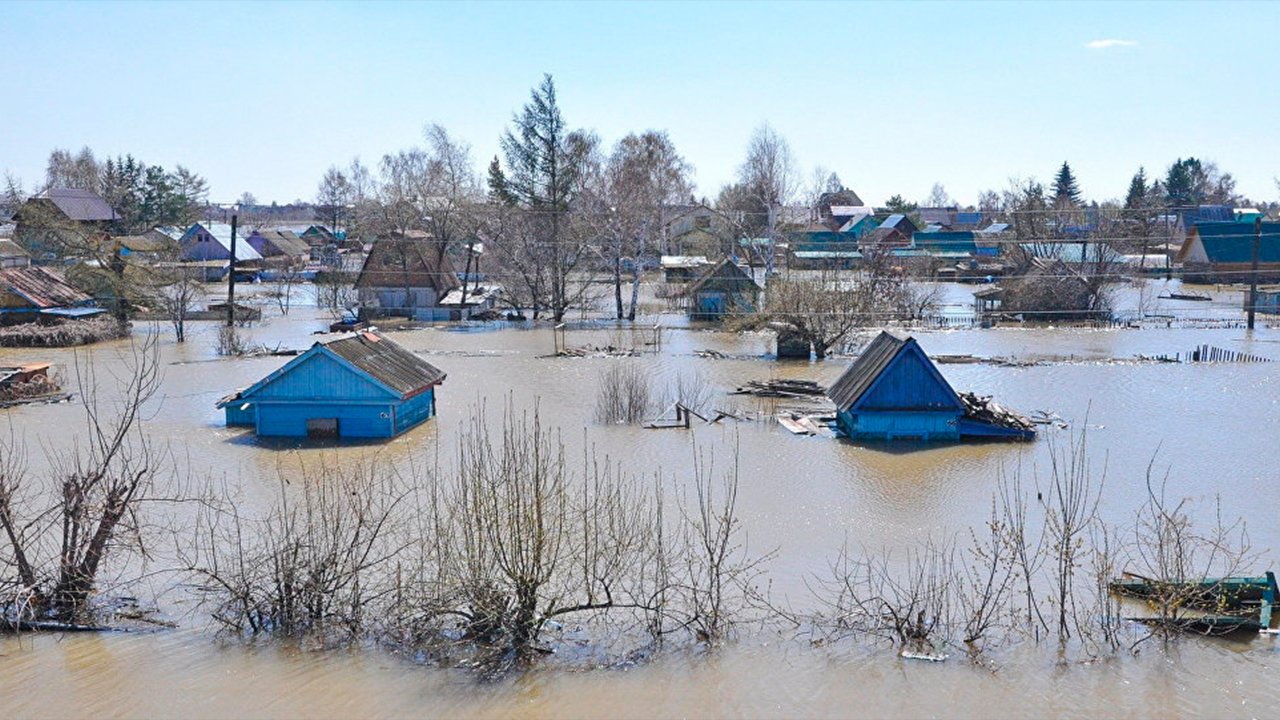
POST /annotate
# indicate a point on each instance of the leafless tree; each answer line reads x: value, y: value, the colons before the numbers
x: 938, y: 197
x: 644, y: 175
x: 769, y: 174
x: 176, y: 289
x: 56, y: 538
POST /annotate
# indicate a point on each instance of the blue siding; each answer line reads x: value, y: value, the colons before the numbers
x: 415, y: 410
x: 909, y: 383
x: 354, y: 421
x: 321, y: 376
x: 236, y: 416
x: 886, y: 425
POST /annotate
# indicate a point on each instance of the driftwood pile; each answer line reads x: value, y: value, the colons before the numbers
x: 781, y: 388
x: 984, y: 409
x: 606, y: 351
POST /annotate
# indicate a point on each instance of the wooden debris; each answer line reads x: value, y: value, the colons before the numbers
x: 595, y: 351
x: 781, y: 388
x: 711, y: 354
x: 986, y: 410
x: 1211, y: 354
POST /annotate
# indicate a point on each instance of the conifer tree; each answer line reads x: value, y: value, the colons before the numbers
x: 1137, y: 195
x: 1065, y: 187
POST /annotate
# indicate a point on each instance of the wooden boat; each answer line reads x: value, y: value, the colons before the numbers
x: 1212, y: 605
x: 1186, y: 296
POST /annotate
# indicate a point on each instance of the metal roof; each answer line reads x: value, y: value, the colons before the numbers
x: 1232, y: 242
x: 80, y: 205
x: 389, y: 363
x: 11, y: 249
x: 858, y: 378
x: 41, y: 287
x: 850, y: 210
x: 286, y: 242
x: 407, y: 263
x: 221, y: 234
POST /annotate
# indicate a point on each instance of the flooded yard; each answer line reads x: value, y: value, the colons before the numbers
x: 1211, y: 427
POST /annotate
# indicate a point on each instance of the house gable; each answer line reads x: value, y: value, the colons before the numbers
x: 909, y: 382
x: 319, y: 374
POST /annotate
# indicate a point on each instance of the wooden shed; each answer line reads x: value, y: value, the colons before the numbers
x: 724, y: 289
x: 359, y: 386
x: 893, y: 391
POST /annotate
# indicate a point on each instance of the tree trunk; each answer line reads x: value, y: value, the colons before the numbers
x: 617, y: 282
x: 635, y: 292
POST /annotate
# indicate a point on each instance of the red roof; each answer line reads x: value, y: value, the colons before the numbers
x: 41, y: 287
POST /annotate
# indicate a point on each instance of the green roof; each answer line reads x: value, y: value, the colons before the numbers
x: 1232, y: 242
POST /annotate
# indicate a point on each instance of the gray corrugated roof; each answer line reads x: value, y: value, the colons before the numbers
x: 386, y: 361
x: 857, y: 379
x: 80, y: 205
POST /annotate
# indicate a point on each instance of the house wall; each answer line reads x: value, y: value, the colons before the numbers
x: 908, y: 384
x: 415, y: 410
x: 237, y: 417
x: 891, y: 425
x: 418, y: 303
x: 201, y: 245
x: 289, y: 419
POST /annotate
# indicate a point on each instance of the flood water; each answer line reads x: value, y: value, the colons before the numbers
x: 1213, y: 428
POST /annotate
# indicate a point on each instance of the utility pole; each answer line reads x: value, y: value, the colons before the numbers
x: 1253, y: 268
x: 231, y: 278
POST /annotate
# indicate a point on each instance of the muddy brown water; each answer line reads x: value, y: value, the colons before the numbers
x: 1213, y: 427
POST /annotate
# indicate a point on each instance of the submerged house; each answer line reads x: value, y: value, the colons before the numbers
x: 724, y: 289
x: 358, y: 386
x: 38, y: 293
x: 279, y: 244
x: 1222, y: 252
x: 893, y: 391
x: 406, y: 276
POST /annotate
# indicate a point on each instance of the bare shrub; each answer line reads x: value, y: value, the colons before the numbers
x: 713, y: 582
x: 691, y: 389
x: 623, y: 394
x: 525, y: 541
x: 230, y: 342
x: 1182, y: 563
x: 313, y: 565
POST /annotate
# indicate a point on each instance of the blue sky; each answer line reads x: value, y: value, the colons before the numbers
x: 262, y: 97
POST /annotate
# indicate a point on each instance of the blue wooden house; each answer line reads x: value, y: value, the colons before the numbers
x: 358, y: 386
x: 722, y: 290
x: 894, y: 392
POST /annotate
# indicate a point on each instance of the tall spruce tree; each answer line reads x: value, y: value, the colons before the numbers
x: 1179, y: 183
x: 1137, y: 196
x: 542, y: 166
x: 1065, y: 187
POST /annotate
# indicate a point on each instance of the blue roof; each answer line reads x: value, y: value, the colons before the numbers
x: 968, y: 218
x: 960, y: 241
x: 1232, y: 242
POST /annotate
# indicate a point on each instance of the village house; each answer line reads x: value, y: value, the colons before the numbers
x: 406, y: 276
x: 12, y: 254
x: 359, y: 386
x: 1222, y: 252
x: 62, y: 219
x: 211, y: 242
x: 281, y: 244
x: 38, y: 293
x: 683, y: 268
x: 723, y: 290
x: 893, y: 391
